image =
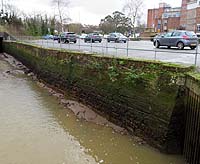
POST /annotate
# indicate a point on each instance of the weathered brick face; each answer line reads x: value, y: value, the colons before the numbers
x: 163, y: 19
x: 189, y: 18
x: 152, y: 14
x: 198, y: 15
x: 183, y: 20
x: 173, y: 23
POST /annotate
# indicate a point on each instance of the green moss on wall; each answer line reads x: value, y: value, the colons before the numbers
x: 136, y: 94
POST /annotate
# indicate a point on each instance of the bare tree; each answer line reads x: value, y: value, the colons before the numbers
x: 62, y: 10
x: 134, y: 12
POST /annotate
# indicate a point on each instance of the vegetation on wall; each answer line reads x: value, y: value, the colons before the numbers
x: 139, y: 95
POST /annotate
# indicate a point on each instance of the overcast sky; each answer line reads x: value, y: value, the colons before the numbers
x: 87, y: 11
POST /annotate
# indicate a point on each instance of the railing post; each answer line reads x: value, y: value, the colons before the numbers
x: 106, y: 47
x: 102, y: 48
x: 42, y: 43
x: 127, y: 47
x: 53, y: 43
x: 91, y: 44
x: 79, y: 43
x: 155, y: 55
x: 60, y: 42
x: 116, y: 49
x: 196, y: 54
x: 46, y: 43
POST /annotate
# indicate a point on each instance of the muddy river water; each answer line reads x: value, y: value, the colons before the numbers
x: 36, y: 129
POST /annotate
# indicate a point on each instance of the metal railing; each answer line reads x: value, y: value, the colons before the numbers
x: 142, y: 49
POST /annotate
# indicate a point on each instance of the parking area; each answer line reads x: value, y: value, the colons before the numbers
x: 130, y: 49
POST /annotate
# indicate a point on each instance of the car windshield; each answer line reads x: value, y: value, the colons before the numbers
x: 168, y: 34
x: 69, y: 33
x: 119, y: 35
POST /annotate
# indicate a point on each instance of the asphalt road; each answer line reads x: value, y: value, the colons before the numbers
x: 136, y: 49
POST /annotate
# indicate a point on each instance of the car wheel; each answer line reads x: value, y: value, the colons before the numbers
x: 92, y: 41
x: 58, y: 40
x: 74, y: 41
x: 85, y: 40
x: 169, y: 47
x: 100, y: 41
x: 193, y: 47
x: 66, y: 41
x: 108, y: 41
x: 124, y: 41
x: 180, y: 45
x: 156, y: 44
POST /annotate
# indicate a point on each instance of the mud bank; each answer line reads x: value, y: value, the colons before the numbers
x: 79, y: 109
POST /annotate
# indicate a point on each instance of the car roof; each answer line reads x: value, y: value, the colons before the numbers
x: 68, y: 32
x: 115, y: 33
x: 181, y: 31
x: 94, y: 33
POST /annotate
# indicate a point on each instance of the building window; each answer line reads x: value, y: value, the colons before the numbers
x: 198, y: 27
x: 165, y: 22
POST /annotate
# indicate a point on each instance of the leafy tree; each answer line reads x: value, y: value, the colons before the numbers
x: 44, y: 27
x: 121, y: 22
x: 16, y: 22
x: 10, y: 18
x: 52, y: 23
x: 39, y: 25
x: 106, y: 24
x: 117, y: 22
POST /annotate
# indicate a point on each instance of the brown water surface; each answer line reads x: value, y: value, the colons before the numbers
x: 36, y: 129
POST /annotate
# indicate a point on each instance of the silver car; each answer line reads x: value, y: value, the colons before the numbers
x: 178, y: 39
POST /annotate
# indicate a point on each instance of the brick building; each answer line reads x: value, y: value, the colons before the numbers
x: 164, y: 18
x: 190, y: 15
x: 183, y: 20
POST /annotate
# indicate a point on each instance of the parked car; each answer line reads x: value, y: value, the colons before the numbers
x: 116, y: 37
x: 47, y: 37
x: 67, y: 37
x: 178, y: 38
x: 93, y: 37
